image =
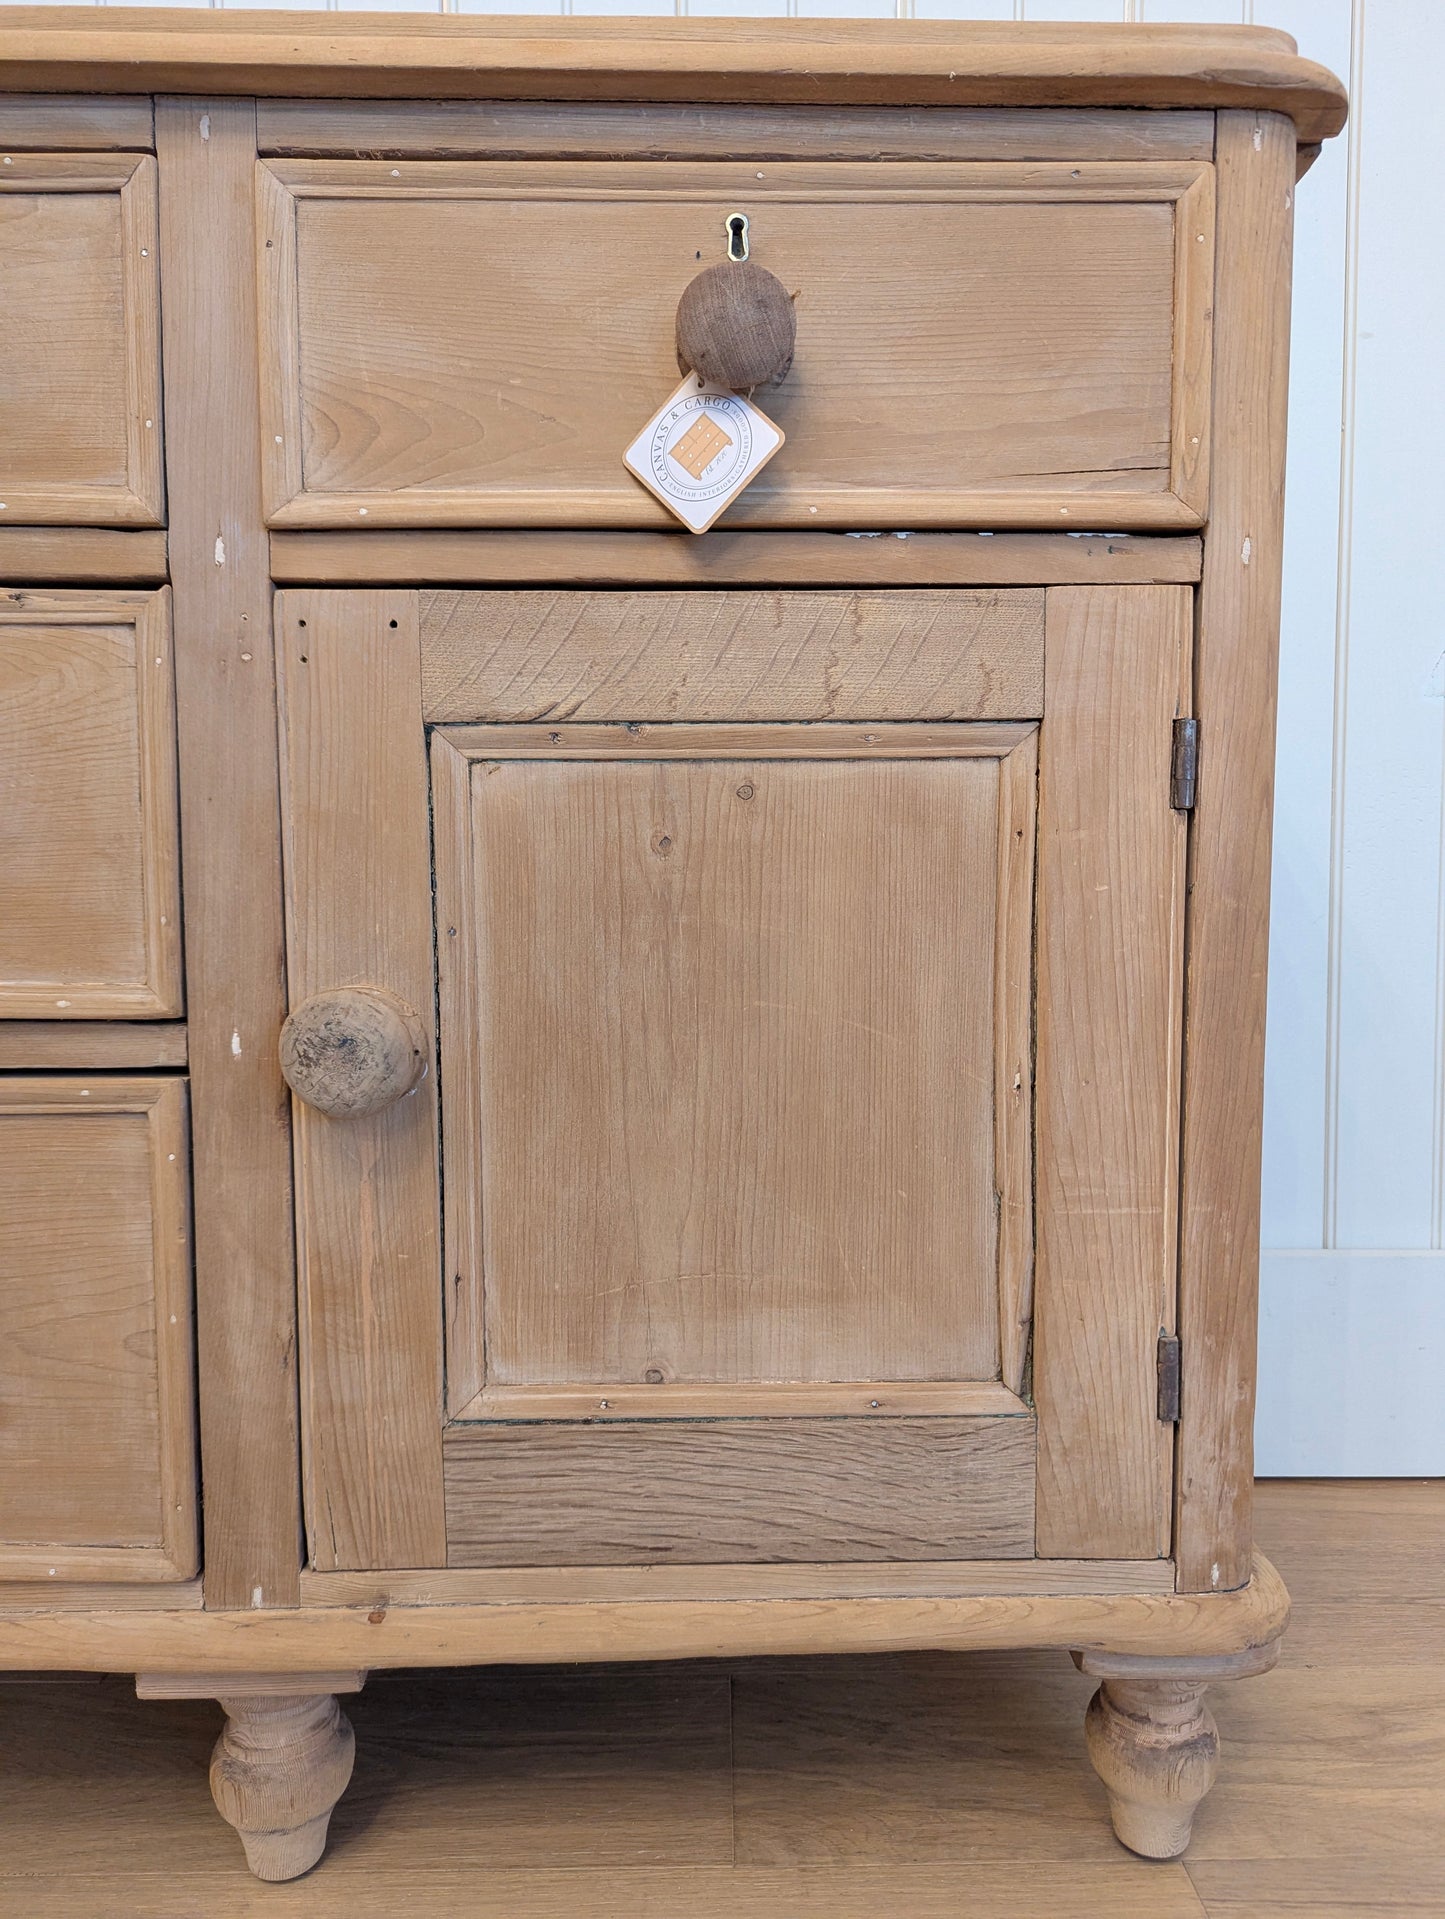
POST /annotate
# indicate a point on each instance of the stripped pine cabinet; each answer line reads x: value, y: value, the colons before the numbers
x: 720, y: 1076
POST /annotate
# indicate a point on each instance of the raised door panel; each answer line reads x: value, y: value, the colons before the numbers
x: 80, y: 315
x: 97, y: 1448
x: 89, y: 852
x: 712, y: 1151
x: 993, y: 344
x: 732, y: 998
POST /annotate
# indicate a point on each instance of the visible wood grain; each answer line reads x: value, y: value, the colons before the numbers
x: 1047, y: 404
x: 354, y: 1052
x: 1189, y: 432
x: 281, y: 1763
x: 1013, y: 1057
x: 90, y: 905
x: 826, y: 741
x: 817, y: 62
x: 732, y: 656
x: 79, y: 311
x: 1103, y: 1889
x: 61, y: 121
x: 95, y: 1595
x: 161, y: 1685
x: 734, y: 1492
x: 1391, y: 1531
x: 81, y: 556
x: 97, y: 1467
x: 92, y: 1045
x: 542, y: 130
x: 226, y: 700
x: 358, y: 905
x: 1154, y: 1744
x: 1228, y: 939
x: 1110, y: 916
x: 281, y: 1639
x: 794, y: 560
x: 829, y: 1399
x: 861, y: 1786
x: 1367, y: 1884
x: 742, y: 1193
x: 736, y: 326
x: 585, y: 1585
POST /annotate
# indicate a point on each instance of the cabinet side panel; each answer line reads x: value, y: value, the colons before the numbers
x: 1229, y: 863
x: 1110, y: 911
x: 225, y: 694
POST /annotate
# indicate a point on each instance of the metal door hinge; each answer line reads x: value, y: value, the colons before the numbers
x: 1184, y: 765
x: 1167, y: 1366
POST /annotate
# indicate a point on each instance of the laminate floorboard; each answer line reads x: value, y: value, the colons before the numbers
x: 907, y: 1787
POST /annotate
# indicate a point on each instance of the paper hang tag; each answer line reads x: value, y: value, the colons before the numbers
x: 700, y: 449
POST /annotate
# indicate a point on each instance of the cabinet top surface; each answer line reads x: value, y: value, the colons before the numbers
x: 815, y: 62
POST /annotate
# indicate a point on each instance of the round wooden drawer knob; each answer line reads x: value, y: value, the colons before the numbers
x: 352, y: 1052
x: 735, y: 326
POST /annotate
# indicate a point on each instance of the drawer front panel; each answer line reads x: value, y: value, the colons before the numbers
x: 79, y: 314
x: 454, y: 343
x: 89, y: 887
x: 97, y: 1465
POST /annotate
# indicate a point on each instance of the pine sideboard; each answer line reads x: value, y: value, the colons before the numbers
x: 573, y: 1091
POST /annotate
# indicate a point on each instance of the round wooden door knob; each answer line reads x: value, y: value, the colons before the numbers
x: 736, y: 327
x: 353, y: 1051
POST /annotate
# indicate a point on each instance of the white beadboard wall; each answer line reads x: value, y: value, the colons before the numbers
x: 1353, y: 1326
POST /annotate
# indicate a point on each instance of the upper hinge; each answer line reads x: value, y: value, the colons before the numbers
x: 1167, y: 1366
x: 1184, y: 765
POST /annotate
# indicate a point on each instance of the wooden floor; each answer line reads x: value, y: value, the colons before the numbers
x: 917, y: 1787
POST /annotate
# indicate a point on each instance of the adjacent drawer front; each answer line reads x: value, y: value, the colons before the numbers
x: 469, y: 343
x: 79, y: 315
x: 97, y: 1449
x: 89, y: 854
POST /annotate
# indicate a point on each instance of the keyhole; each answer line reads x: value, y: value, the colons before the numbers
x: 737, y: 236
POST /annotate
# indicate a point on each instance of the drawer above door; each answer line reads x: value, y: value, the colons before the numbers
x: 89, y: 834
x: 454, y: 343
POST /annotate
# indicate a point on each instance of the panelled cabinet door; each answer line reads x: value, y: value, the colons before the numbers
x: 745, y: 1016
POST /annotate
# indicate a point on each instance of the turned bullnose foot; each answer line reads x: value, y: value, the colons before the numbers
x: 278, y: 1769
x: 286, y: 1855
x: 1154, y: 1744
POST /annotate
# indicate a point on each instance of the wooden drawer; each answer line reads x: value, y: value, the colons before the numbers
x: 80, y: 388
x: 97, y: 1449
x: 455, y: 343
x: 89, y: 856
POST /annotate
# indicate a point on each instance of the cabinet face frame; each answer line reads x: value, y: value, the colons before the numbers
x: 601, y: 499
x: 140, y: 500
x: 162, y: 1102
x: 158, y: 993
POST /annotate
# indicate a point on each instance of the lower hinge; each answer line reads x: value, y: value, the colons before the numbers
x: 1184, y: 765
x: 1167, y: 1366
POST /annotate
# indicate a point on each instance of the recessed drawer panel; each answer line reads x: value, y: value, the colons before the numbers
x: 451, y: 343
x: 89, y: 856
x: 97, y: 1465
x: 79, y: 316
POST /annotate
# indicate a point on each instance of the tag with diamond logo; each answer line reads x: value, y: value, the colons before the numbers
x: 700, y: 450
